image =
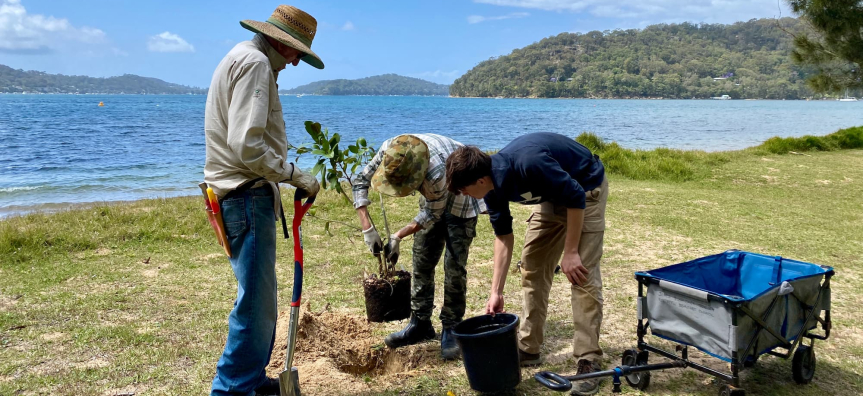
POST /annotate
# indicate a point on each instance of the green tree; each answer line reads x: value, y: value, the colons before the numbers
x: 836, y: 50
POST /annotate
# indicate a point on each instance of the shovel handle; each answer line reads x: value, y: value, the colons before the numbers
x: 300, y: 210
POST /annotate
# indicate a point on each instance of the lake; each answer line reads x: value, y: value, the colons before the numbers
x: 57, y: 150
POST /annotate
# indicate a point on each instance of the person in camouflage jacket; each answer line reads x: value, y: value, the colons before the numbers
x: 417, y: 162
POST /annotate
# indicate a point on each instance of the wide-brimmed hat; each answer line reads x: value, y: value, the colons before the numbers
x: 292, y: 27
x: 403, y: 167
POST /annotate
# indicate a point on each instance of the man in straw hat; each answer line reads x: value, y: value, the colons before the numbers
x: 417, y: 162
x: 246, y: 157
x: 567, y: 185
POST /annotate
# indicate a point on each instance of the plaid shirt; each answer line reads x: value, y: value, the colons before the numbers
x: 437, y: 198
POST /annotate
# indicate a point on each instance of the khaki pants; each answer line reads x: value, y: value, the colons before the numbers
x: 543, y: 246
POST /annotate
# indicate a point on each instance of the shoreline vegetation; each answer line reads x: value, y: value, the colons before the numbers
x: 132, y: 298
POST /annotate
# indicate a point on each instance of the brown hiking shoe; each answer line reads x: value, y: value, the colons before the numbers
x: 589, y: 386
x: 529, y: 359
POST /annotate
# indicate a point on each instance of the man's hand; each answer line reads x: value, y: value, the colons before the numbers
x: 373, y: 241
x: 494, y: 304
x: 391, y: 251
x: 573, y: 269
x: 304, y: 181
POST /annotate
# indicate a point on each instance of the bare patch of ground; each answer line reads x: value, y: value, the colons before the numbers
x: 93, y: 363
x: 339, y: 348
x: 7, y: 302
x: 56, y: 336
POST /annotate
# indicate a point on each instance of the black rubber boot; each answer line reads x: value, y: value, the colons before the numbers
x: 270, y: 387
x: 415, y: 332
x: 448, y: 347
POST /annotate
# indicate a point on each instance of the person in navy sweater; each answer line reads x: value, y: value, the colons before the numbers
x: 567, y: 185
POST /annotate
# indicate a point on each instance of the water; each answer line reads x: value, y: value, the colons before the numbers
x: 57, y: 150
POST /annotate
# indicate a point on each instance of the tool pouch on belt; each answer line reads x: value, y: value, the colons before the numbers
x: 215, y: 218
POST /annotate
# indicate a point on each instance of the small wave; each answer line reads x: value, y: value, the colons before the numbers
x: 22, y: 188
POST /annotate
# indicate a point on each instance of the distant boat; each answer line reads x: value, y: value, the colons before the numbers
x: 847, y: 98
x: 723, y: 97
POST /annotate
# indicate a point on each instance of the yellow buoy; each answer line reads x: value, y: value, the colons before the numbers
x: 101, y: 103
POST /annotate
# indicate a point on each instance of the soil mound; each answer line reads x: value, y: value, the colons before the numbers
x: 337, y: 348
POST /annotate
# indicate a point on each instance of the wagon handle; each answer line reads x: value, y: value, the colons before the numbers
x: 553, y: 381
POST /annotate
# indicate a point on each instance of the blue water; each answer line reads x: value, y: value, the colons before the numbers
x: 56, y: 150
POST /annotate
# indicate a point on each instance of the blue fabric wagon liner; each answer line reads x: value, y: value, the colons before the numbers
x: 734, y: 306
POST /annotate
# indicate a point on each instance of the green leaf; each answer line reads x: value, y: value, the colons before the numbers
x: 311, y: 130
x: 325, y: 145
x: 361, y: 142
x: 319, y: 152
x: 335, y: 139
x: 317, y: 169
x: 354, y: 149
x: 334, y: 181
x: 354, y: 168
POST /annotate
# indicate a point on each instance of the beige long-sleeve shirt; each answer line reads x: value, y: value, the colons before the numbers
x: 244, y: 125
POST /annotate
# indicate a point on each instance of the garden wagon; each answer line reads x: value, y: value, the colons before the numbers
x: 734, y: 306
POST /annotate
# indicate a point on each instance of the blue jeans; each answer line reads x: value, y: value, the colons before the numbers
x: 250, y: 225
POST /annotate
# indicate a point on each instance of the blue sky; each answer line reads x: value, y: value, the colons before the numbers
x: 182, y: 41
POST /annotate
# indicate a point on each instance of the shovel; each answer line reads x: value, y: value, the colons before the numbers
x: 289, y: 379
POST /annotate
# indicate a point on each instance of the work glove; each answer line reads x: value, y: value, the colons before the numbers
x: 373, y: 240
x: 392, y: 249
x: 303, y: 181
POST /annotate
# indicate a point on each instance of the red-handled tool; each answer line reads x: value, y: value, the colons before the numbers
x: 289, y: 379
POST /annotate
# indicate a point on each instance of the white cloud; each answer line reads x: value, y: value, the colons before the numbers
x: 714, y: 11
x: 169, y: 42
x: 348, y: 26
x: 33, y: 33
x: 479, y: 18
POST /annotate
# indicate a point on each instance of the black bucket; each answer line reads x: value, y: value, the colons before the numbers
x: 490, y: 351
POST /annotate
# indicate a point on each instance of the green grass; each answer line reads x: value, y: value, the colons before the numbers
x: 657, y: 164
x: 850, y: 138
x: 134, y: 297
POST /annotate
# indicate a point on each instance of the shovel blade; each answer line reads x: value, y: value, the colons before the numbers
x: 289, y: 382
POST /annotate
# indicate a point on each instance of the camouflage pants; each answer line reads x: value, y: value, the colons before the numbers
x: 455, y: 234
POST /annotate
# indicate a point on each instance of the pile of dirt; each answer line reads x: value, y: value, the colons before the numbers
x: 337, y: 348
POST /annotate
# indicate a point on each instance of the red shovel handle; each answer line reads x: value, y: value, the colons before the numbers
x: 300, y: 210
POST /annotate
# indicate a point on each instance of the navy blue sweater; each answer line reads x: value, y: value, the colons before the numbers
x: 540, y: 167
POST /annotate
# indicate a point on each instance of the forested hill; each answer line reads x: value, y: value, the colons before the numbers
x: 19, y: 81
x: 743, y: 60
x: 387, y: 84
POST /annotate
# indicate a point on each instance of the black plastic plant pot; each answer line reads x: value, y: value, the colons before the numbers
x: 490, y: 351
x: 388, y: 299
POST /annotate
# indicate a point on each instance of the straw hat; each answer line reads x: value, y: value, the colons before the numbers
x: 292, y: 27
x: 403, y: 167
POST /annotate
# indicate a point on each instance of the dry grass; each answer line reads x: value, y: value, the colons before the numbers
x: 133, y: 298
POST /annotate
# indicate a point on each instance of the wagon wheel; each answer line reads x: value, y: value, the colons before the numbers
x: 803, y: 364
x: 633, y: 358
x: 728, y: 390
